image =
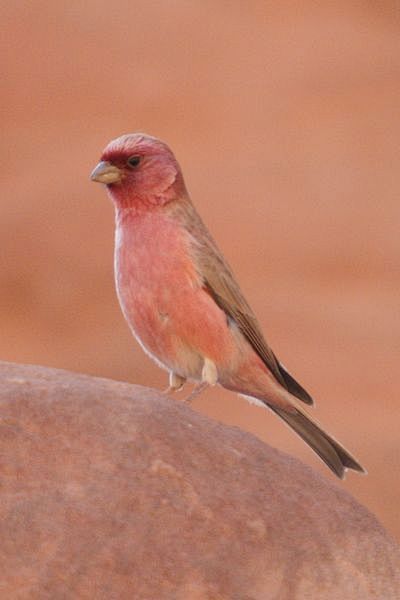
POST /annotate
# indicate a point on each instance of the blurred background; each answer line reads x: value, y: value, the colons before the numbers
x: 285, y: 119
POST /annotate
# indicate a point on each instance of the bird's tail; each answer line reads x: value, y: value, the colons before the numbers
x: 336, y: 457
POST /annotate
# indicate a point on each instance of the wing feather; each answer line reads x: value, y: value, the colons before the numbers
x: 219, y: 282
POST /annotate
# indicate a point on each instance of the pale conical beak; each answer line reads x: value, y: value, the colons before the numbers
x: 106, y: 173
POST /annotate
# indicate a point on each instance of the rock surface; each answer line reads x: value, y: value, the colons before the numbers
x: 113, y: 491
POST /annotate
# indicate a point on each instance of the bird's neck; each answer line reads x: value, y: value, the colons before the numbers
x: 137, y: 201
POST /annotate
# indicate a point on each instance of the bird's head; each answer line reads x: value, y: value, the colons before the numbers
x: 139, y: 170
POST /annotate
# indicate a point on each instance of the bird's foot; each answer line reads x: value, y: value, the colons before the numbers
x: 209, y: 376
x: 176, y: 383
x: 200, y: 387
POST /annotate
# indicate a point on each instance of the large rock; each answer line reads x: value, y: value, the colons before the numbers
x: 113, y: 491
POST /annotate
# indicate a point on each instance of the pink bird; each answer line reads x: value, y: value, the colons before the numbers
x: 180, y: 298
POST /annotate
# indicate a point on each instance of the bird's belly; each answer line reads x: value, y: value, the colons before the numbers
x: 163, y: 301
x: 155, y: 323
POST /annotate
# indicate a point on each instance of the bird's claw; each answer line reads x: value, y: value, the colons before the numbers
x: 176, y: 383
x: 200, y: 387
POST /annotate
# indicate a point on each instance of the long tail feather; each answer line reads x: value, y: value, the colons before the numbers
x: 336, y: 457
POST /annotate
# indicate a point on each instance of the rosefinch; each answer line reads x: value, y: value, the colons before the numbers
x: 180, y: 297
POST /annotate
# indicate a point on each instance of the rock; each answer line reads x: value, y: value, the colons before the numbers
x: 113, y: 491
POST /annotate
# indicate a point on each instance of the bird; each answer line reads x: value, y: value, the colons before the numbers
x: 180, y: 297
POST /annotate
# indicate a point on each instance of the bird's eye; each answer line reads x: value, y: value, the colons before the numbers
x: 133, y: 161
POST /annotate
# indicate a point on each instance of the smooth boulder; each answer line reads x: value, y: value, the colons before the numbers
x: 114, y: 491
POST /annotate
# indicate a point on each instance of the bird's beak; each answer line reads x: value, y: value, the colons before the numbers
x: 106, y: 173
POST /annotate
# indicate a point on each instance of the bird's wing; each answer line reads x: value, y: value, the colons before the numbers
x: 219, y: 282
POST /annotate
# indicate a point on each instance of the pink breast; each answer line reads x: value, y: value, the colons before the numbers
x: 154, y: 275
x: 162, y: 297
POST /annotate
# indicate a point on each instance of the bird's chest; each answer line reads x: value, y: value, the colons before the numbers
x: 154, y: 274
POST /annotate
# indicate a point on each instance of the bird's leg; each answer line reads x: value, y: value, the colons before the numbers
x: 200, y: 387
x: 176, y: 383
x: 209, y: 376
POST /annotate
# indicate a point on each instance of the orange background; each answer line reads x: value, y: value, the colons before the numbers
x: 285, y: 118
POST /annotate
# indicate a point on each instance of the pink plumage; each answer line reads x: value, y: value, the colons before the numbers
x: 180, y: 297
